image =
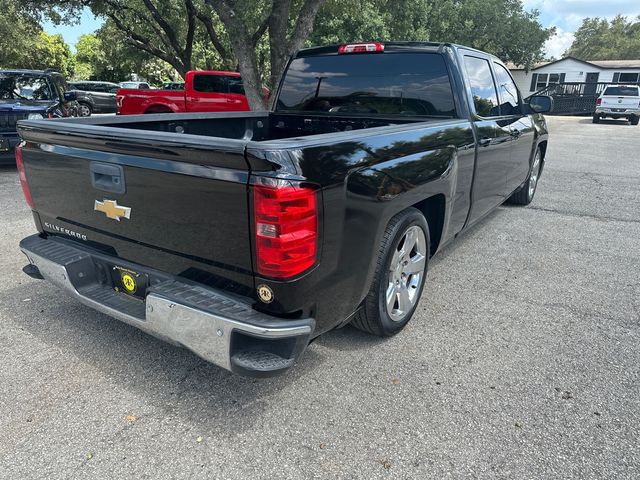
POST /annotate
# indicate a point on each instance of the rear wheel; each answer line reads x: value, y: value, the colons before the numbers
x: 634, y: 120
x: 400, y: 275
x: 84, y: 109
x: 596, y: 118
x: 525, y: 193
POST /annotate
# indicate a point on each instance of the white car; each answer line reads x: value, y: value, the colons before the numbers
x: 619, y: 101
x: 135, y: 85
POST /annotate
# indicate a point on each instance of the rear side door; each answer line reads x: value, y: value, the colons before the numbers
x: 493, y: 151
x: 520, y: 127
x: 237, y: 99
x: 104, y: 100
x: 207, y: 92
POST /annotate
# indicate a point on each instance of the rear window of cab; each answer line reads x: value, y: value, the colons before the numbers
x: 411, y: 84
x: 621, y: 91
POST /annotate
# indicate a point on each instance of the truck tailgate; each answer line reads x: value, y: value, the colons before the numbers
x: 620, y: 102
x: 169, y: 202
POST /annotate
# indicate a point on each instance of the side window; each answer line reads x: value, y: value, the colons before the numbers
x: 235, y: 85
x: 209, y: 84
x: 97, y: 87
x: 507, y: 91
x: 483, y: 89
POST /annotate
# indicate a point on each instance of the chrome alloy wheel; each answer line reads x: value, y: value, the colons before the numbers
x: 406, y: 273
x: 535, y: 173
x: 84, y: 110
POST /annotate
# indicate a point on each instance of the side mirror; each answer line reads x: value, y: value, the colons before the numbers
x: 540, y: 104
x: 70, y: 96
x: 114, y: 90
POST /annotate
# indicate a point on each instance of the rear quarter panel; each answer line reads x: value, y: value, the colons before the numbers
x: 140, y: 101
x: 367, y: 177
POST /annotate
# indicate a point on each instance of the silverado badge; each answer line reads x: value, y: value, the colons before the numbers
x: 112, y: 210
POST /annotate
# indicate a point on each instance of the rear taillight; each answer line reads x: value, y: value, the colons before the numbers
x: 23, y: 176
x: 119, y: 99
x: 598, y: 102
x: 286, y: 223
x: 361, y: 48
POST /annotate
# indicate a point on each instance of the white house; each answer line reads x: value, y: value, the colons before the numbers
x: 571, y: 69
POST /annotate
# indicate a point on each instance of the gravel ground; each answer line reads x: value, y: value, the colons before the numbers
x: 522, y: 361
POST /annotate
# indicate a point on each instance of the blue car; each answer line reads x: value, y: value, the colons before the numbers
x: 30, y: 94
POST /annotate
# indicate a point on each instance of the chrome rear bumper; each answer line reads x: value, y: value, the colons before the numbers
x: 217, y: 327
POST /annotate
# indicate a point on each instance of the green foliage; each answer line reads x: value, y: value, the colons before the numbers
x: 600, y: 39
x: 501, y: 27
x: 50, y: 51
x: 105, y: 55
x: 159, y: 38
x: 17, y: 32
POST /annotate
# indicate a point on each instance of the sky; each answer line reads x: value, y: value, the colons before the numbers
x: 565, y: 15
x: 88, y: 24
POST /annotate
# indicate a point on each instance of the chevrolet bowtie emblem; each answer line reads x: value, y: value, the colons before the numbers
x: 112, y: 210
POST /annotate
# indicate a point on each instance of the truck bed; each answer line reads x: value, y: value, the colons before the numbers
x: 244, y: 126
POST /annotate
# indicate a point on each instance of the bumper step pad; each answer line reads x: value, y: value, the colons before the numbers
x: 217, y: 326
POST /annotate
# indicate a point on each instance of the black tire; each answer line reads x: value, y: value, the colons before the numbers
x: 84, y: 109
x: 634, y: 120
x: 373, y: 317
x: 596, y: 118
x: 524, y: 195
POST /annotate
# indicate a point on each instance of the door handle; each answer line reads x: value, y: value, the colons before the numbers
x: 107, y: 177
x: 484, y: 141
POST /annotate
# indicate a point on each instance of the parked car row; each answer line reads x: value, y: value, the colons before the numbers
x: 29, y: 94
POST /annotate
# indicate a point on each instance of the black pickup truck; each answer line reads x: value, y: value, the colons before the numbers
x: 243, y: 236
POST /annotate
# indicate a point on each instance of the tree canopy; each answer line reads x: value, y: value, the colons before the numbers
x: 501, y: 27
x: 256, y: 37
x: 601, y: 39
x: 23, y: 43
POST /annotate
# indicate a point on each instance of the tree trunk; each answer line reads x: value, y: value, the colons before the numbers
x: 281, y: 46
x: 244, y: 50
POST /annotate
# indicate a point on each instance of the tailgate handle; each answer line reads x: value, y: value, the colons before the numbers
x: 107, y: 177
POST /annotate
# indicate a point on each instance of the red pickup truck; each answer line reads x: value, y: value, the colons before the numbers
x: 205, y: 91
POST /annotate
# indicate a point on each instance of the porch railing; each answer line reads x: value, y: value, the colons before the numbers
x: 572, y: 98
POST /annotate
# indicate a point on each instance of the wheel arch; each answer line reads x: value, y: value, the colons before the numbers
x: 543, y: 154
x: 158, y: 108
x: 433, y: 208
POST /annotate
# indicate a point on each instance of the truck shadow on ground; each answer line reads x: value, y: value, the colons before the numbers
x: 171, y: 379
x: 167, y: 377
x: 607, y: 121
